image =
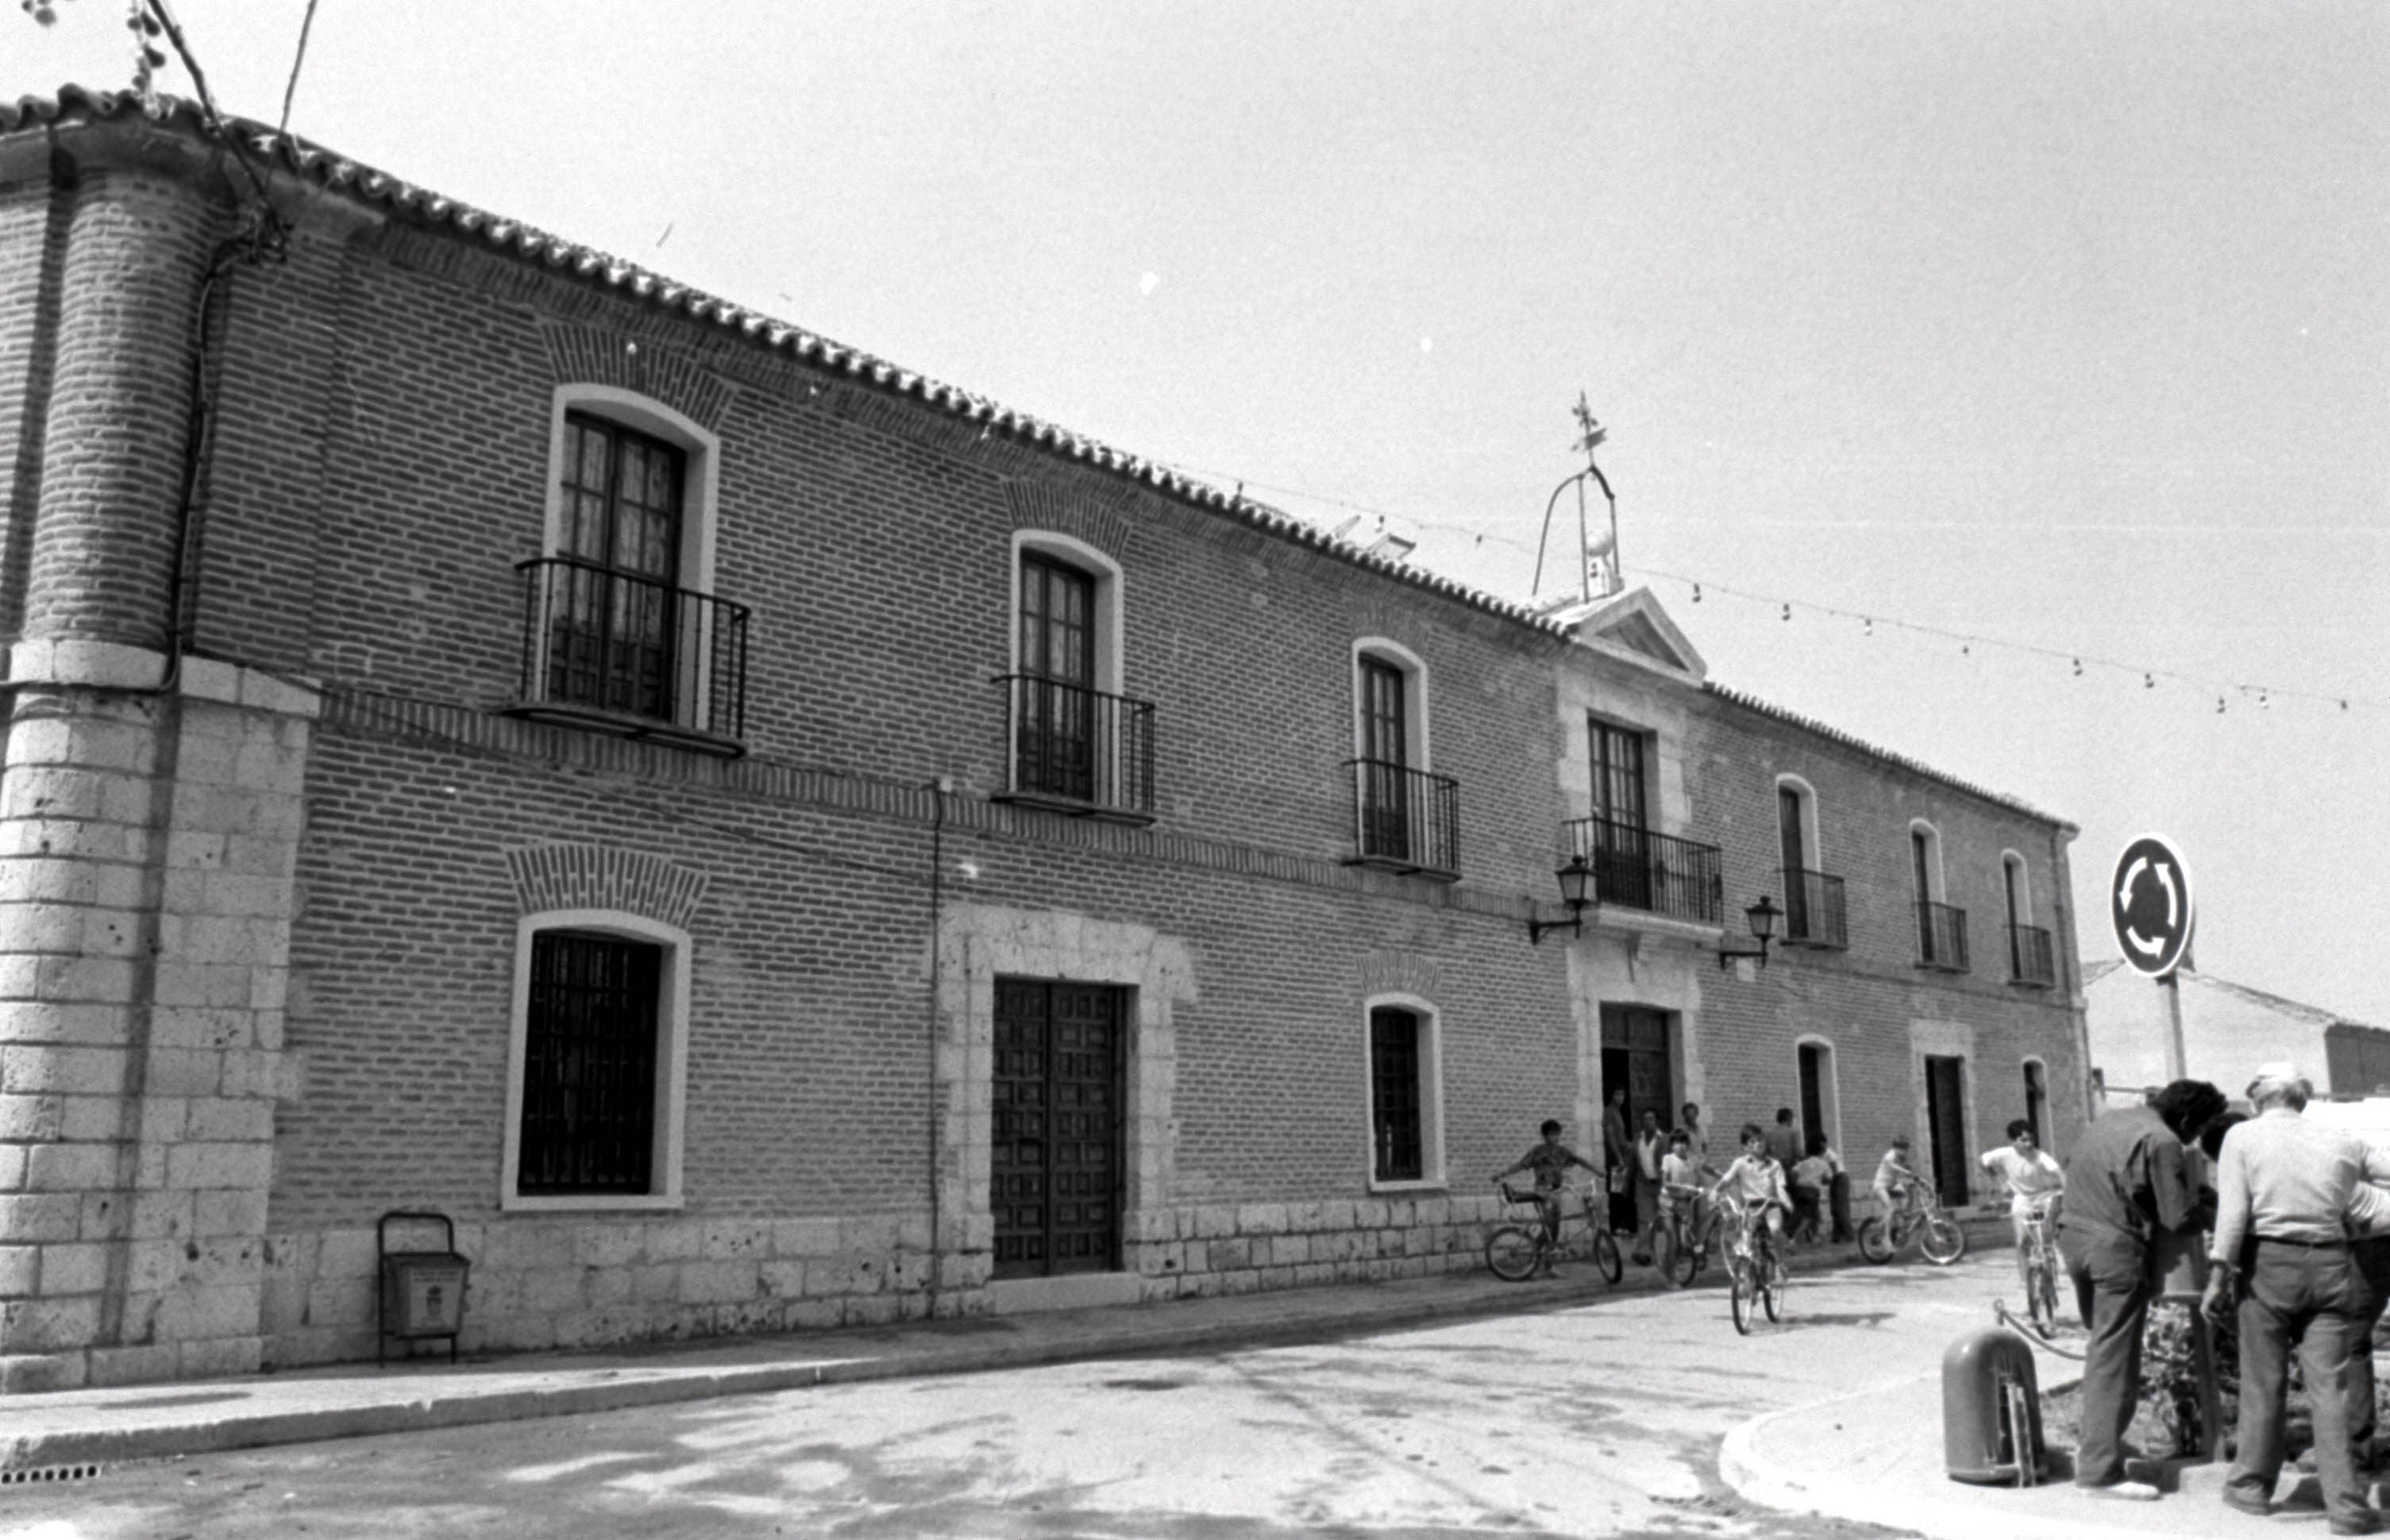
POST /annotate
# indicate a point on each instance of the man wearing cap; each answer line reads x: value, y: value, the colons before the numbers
x: 2125, y: 1184
x: 2288, y: 1191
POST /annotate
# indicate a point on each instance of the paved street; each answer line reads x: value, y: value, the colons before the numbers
x: 1602, y: 1419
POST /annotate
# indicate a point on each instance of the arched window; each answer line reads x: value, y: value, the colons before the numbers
x: 1403, y: 1039
x: 1813, y: 898
x: 1078, y: 742
x: 1404, y: 815
x: 1940, y: 927
x: 596, y: 1055
x: 623, y: 624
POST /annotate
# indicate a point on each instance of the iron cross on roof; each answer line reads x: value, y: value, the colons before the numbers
x: 1594, y: 434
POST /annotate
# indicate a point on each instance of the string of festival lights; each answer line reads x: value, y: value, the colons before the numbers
x: 2080, y: 661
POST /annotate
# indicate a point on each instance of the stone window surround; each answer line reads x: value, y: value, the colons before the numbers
x: 1433, y: 1176
x: 672, y: 1061
x: 700, y: 493
x: 1419, y: 742
x: 977, y: 943
x: 1830, y: 1093
x: 1109, y: 608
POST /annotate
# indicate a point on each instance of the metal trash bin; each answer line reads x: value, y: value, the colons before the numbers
x: 417, y: 1295
x: 1991, y: 1410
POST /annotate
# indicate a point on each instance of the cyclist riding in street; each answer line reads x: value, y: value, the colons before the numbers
x: 1550, y: 1161
x: 1755, y: 1179
x: 1895, y: 1179
x: 2032, y: 1177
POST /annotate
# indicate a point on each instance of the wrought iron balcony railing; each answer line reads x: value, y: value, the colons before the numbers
x: 2031, y: 961
x: 1813, y: 909
x: 633, y: 655
x: 1077, y: 751
x: 1942, y: 937
x: 1635, y: 868
x: 1404, y: 820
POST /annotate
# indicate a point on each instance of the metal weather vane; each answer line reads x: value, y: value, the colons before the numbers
x: 1593, y: 551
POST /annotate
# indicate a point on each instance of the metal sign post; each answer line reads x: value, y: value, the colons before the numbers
x: 2150, y: 907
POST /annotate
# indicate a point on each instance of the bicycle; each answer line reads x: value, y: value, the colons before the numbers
x: 1921, y: 1216
x: 1750, y: 1280
x: 1683, y: 1237
x: 2040, y: 1269
x: 1517, y: 1252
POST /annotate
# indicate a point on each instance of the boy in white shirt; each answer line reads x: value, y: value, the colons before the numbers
x: 2031, y: 1176
x: 1755, y: 1179
x: 1680, y: 1188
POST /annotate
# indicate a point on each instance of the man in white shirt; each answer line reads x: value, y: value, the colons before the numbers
x: 2288, y: 1192
x: 2032, y: 1177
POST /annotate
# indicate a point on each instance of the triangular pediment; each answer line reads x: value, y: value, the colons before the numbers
x: 1632, y: 627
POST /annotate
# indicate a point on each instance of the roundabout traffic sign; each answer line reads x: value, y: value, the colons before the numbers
x: 2149, y: 902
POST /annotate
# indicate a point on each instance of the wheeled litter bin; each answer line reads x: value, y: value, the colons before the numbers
x: 1991, y: 1410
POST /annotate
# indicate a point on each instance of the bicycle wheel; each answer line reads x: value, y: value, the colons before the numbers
x: 1738, y: 1292
x: 1771, y: 1292
x: 1685, y: 1264
x: 1942, y: 1239
x: 1875, y: 1241
x: 1513, y: 1252
x: 2041, y: 1299
x: 1606, y: 1256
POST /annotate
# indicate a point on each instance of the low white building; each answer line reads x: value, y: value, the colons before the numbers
x: 2228, y: 1031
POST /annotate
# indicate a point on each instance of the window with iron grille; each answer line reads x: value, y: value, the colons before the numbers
x: 590, y: 1066
x: 1397, y: 1099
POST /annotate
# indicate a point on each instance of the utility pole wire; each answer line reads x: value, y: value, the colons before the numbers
x: 305, y: 26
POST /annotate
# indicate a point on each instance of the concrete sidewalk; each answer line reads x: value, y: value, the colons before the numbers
x: 1875, y: 1455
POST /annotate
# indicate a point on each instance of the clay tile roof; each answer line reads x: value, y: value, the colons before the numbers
x: 324, y: 169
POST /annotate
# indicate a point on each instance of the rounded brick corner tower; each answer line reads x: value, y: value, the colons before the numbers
x: 147, y: 812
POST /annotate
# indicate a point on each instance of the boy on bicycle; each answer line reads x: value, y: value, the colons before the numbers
x: 1680, y: 1188
x: 2032, y: 1177
x: 1895, y: 1179
x: 1755, y: 1179
x: 1550, y: 1161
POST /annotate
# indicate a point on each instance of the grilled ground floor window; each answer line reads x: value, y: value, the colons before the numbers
x: 593, y: 1104
x: 1405, y: 1132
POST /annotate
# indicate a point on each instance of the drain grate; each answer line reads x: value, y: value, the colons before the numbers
x: 33, y: 1473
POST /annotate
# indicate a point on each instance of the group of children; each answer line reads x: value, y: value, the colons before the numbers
x: 1757, y: 1179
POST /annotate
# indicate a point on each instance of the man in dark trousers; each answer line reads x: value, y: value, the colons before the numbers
x: 2126, y: 1183
x: 1619, y: 1156
x: 2289, y: 1191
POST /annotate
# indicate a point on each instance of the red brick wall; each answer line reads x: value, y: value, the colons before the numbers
x: 1863, y: 999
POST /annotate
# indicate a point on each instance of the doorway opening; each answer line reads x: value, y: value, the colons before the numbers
x: 1945, y: 1122
x: 1056, y: 1161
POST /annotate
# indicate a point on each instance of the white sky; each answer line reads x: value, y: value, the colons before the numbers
x: 2063, y: 324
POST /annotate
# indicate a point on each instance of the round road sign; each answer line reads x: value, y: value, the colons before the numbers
x: 2149, y: 901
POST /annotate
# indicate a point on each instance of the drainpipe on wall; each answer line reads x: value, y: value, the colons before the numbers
x: 938, y: 790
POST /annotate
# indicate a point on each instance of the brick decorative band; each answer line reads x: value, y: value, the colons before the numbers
x: 543, y: 748
x: 602, y: 877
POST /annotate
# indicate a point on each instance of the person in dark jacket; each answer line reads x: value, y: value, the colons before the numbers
x: 2127, y: 1181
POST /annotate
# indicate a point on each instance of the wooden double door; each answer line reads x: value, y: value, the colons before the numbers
x: 1056, y: 1137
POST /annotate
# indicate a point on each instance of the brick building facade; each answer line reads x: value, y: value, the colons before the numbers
x: 764, y: 840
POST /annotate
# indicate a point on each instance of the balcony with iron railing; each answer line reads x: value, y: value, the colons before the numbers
x: 626, y: 654
x: 1813, y: 909
x: 1942, y: 937
x: 2031, y: 959
x: 1076, y: 750
x: 1404, y: 820
x: 1660, y: 874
